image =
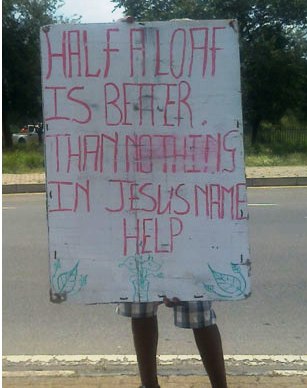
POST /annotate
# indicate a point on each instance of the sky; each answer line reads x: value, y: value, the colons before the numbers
x: 92, y: 11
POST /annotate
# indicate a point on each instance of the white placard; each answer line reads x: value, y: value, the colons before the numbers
x: 144, y: 161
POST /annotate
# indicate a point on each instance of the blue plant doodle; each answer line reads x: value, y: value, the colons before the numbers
x: 141, y: 268
x: 67, y: 282
x: 227, y: 286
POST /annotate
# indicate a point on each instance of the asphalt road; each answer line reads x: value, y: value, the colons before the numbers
x: 272, y: 321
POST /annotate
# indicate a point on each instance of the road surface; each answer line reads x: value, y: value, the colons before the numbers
x: 272, y: 321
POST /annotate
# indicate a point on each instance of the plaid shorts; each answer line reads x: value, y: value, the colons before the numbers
x: 188, y: 315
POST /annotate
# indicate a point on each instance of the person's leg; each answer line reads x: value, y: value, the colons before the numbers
x: 201, y: 317
x: 209, y: 343
x: 145, y: 336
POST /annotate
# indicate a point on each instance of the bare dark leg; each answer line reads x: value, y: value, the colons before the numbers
x: 145, y: 336
x: 208, y: 341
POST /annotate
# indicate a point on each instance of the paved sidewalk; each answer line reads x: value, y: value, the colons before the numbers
x: 165, y: 382
x: 255, y: 176
x: 119, y: 371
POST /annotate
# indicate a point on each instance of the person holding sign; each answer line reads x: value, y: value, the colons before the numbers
x: 145, y: 175
x: 198, y: 316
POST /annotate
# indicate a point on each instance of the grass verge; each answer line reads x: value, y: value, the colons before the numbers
x: 262, y: 155
x: 23, y: 159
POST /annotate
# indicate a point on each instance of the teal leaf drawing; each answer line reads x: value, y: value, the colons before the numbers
x: 57, y: 265
x: 209, y: 287
x: 227, y: 285
x: 83, y: 280
x: 66, y: 281
x: 236, y: 268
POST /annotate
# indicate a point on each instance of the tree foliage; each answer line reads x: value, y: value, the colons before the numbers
x: 273, y: 36
x: 273, y: 51
x: 21, y: 84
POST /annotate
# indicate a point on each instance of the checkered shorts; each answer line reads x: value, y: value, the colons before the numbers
x: 188, y: 315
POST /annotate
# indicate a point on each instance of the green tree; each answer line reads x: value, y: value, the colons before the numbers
x: 21, y: 84
x: 273, y: 41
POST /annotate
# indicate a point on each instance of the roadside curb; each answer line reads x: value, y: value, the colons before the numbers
x: 124, y: 381
x: 106, y: 365
x: 276, y: 181
x: 19, y: 188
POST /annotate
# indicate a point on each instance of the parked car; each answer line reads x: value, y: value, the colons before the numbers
x: 29, y: 134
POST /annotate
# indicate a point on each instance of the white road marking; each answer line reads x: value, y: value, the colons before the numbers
x: 289, y: 372
x: 39, y: 373
x: 276, y: 187
x: 263, y: 204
